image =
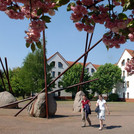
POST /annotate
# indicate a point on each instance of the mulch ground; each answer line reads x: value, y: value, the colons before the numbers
x: 121, y: 121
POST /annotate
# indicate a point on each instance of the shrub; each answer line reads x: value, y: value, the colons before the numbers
x: 95, y: 98
x: 90, y: 96
x: 113, y: 97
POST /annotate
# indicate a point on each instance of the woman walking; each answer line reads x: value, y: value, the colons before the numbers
x: 85, y: 110
x: 101, y: 114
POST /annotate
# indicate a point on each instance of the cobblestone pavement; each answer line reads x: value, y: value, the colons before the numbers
x: 121, y: 121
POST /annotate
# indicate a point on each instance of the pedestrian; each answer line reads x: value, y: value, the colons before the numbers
x: 101, y: 113
x: 85, y: 111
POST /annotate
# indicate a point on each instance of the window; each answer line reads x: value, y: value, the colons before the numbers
x: 128, y: 59
x: 59, y: 73
x: 59, y: 94
x: 92, y: 70
x: 52, y: 63
x: 123, y: 63
x: 123, y: 84
x: 127, y: 95
x: 53, y: 74
x: 123, y: 95
x: 127, y: 83
x: 87, y: 69
x: 59, y: 84
x: 123, y: 73
x: 60, y: 65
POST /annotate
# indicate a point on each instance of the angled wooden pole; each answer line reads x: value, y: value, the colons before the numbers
x: 85, y: 60
x: 82, y: 83
x: 3, y: 67
x: 75, y: 85
x: 2, y: 80
x: 17, y: 102
x: 5, y: 71
x: 10, y: 88
x: 60, y: 75
x: 45, y: 74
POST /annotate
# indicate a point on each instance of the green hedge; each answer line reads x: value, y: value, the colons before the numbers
x: 113, y: 97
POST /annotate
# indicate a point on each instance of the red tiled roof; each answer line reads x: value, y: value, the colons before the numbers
x: 52, y: 56
x: 71, y: 62
x: 131, y: 52
x: 96, y: 66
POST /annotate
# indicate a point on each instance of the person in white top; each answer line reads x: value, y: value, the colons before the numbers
x: 102, y: 106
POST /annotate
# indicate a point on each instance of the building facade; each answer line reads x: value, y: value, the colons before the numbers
x: 125, y: 90
x: 60, y: 65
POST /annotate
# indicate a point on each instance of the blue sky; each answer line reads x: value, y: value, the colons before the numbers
x: 61, y: 35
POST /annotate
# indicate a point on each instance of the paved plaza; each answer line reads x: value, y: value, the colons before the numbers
x: 121, y: 121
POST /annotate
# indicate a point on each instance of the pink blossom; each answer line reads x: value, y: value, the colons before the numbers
x: 51, y: 12
x: 79, y: 26
x: 87, y: 2
x: 131, y: 36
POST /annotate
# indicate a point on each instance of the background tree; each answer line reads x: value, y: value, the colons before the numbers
x: 32, y: 72
x: 109, y: 75
x: 1, y: 85
x: 72, y: 76
x: 30, y: 77
x: 17, y: 82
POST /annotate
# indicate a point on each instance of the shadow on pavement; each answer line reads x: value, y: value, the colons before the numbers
x: 97, y: 125
x: 60, y: 116
x: 112, y: 127
x: 106, y: 127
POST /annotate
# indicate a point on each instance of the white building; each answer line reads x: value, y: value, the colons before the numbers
x: 60, y: 64
x: 126, y: 90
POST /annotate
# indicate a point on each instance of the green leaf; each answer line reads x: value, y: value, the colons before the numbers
x: 27, y: 45
x: 69, y: 6
x: 107, y: 48
x: 38, y: 44
x: 33, y: 47
x: 62, y: 2
x: 122, y: 16
x: 90, y: 13
x: 47, y: 19
x: 39, y: 11
x: 131, y: 24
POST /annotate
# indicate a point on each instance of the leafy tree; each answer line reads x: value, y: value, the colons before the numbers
x: 1, y: 85
x: 32, y: 72
x: 72, y: 76
x: 30, y: 77
x: 17, y: 82
x: 109, y: 75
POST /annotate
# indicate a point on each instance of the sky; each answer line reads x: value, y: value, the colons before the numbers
x: 61, y: 36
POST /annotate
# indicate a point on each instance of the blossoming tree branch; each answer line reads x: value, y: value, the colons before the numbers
x: 38, y: 11
x: 117, y: 16
x: 85, y: 14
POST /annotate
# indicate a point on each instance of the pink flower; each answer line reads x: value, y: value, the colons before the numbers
x: 51, y: 12
x: 87, y: 2
x: 131, y: 36
x: 79, y: 26
x: 88, y: 28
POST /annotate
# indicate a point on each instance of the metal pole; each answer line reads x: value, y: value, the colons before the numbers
x: 85, y: 59
x: 17, y: 102
x: 60, y: 75
x: 3, y: 67
x: 75, y: 85
x: 10, y: 88
x: 82, y: 73
x: 45, y: 74
x: 2, y: 80
x: 51, y: 92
